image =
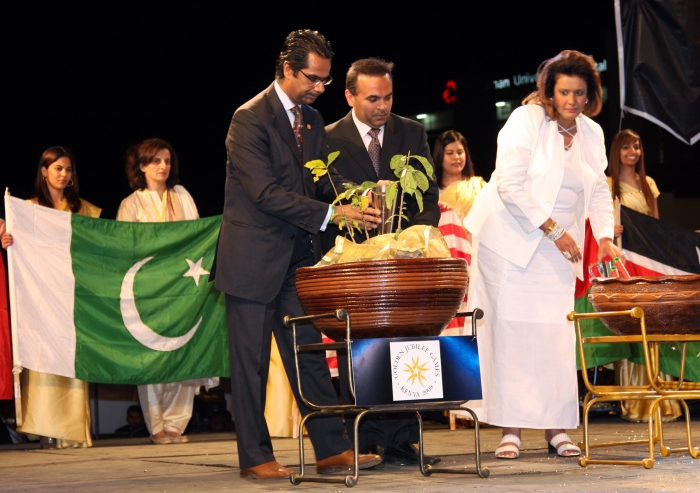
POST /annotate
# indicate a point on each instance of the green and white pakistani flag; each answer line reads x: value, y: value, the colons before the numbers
x: 115, y: 302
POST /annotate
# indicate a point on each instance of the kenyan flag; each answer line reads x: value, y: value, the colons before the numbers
x: 652, y: 248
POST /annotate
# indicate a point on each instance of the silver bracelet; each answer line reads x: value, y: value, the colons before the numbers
x: 556, y: 233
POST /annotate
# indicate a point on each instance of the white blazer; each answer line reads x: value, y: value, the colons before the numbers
x: 520, y: 196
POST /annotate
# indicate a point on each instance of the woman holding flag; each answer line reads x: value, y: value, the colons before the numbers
x: 152, y: 171
x: 528, y: 225
x: 54, y: 407
x: 630, y: 185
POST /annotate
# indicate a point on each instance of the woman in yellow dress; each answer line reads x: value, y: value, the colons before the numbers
x: 54, y: 407
x: 629, y: 184
x: 455, y: 173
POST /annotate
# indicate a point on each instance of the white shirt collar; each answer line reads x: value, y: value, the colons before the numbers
x: 364, y: 129
x: 287, y: 103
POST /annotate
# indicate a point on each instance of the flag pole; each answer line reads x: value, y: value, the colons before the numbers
x: 618, y: 220
x: 16, y: 363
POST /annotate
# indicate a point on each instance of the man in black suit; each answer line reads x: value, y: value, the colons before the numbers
x: 369, y: 91
x: 272, y: 207
x: 367, y: 138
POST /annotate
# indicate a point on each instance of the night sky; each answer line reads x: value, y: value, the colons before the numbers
x: 100, y: 76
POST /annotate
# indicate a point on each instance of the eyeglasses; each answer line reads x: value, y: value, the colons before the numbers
x: 317, y: 80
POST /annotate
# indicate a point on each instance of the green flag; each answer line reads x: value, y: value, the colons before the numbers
x: 117, y: 302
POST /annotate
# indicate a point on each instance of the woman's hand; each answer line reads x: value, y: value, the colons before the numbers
x: 606, y: 248
x: 618, y: 230
x: 568, y: 247
x: 7, y: 240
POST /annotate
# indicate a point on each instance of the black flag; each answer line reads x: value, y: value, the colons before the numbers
x: 659, y: 52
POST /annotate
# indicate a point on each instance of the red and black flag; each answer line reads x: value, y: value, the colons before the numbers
x: 652, y: 248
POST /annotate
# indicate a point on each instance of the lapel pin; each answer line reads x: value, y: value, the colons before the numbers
x: 308, y: 126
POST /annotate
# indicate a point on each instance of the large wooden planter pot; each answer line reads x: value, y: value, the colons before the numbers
x: 385, y: 298
x: 671, y: 304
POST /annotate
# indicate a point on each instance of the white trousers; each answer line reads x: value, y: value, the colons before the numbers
x: 166, y: 406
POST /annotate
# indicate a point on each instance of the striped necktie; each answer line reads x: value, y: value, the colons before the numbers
x: 296, y: 126
x: 375, y: 149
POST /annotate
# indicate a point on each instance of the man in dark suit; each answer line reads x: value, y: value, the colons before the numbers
x: 369, y: 91
x: 272, y: 207
x: 367, y: 138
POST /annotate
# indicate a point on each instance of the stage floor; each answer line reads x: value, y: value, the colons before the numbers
x: 209, y: 463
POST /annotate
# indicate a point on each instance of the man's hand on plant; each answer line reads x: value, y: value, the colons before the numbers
x: 382, y: 183
x: 371, y: 215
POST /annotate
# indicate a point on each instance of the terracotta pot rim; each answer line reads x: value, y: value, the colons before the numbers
x: 646, y: 279
x: 385, y: 262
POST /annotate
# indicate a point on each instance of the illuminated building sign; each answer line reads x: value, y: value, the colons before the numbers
x: 530, y: 79
x: 449, y: 95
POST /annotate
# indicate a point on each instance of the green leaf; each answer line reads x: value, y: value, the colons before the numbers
x: 391, y: 194
x: 332, y: 157
x: 367, y: 185
x: 364, y: 202
x: 421, y: 180
x: 410, y: 183
x: 315, y: 164
x: 419, y: 200
x: 397, y: 162
x: 426, y: 165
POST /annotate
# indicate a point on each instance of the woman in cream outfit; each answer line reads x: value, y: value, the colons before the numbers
x: 528, y: 223
x: 152, y: 170
x: 54, y: 407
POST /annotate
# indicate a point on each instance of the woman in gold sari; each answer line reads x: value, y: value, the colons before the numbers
x: 54, y: 407
x: 630, y: 185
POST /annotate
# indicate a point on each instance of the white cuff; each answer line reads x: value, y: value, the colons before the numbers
x: 328, y: 218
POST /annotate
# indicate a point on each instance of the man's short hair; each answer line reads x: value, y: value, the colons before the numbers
x: 373, y: 67
x: 134, y: 409
x: 298, y: 46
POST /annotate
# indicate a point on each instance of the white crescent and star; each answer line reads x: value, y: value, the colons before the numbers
x: 132, y: 320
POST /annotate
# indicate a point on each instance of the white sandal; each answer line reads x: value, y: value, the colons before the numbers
x: 562, y: 443
x: 509, y: 443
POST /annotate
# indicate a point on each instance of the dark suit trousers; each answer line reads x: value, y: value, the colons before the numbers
x: 250, y: 327
x: 383, y: 429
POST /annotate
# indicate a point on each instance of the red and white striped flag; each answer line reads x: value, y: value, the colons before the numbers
x: 460, y: 247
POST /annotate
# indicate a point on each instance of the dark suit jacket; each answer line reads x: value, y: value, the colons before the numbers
x: 354, y: 164
x: 270, y: 196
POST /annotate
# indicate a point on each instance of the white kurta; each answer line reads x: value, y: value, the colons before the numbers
x: 526, y: 345
x: 166, y: 406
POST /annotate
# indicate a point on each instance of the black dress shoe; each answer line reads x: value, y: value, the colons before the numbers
x: 378, y: 450
x: 406, y: 454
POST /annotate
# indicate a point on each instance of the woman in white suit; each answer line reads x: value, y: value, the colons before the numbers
x: 528, y: 223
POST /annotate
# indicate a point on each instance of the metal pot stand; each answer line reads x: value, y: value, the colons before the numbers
x: 362, y: 411
x: 657, y: 391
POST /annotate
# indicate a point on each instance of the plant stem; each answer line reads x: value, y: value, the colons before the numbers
x: 403, y: 191
x: 342, y: 211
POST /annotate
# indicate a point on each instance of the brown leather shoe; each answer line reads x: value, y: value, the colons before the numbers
x: 268, y: 470
x: 346, y: 462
